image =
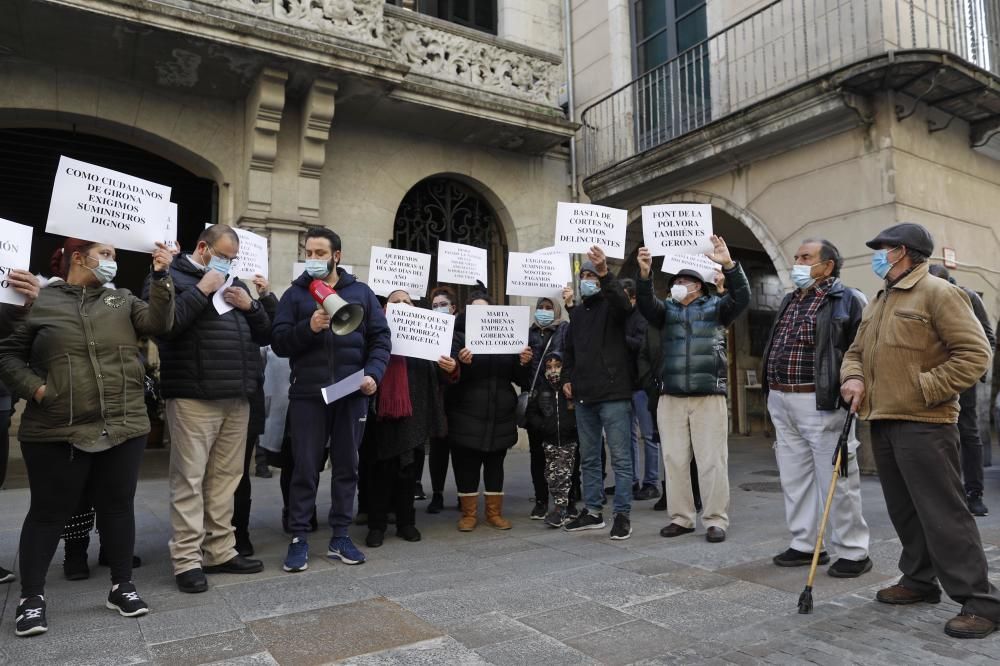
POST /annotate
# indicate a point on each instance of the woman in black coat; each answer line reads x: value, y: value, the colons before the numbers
x: 482, y: 423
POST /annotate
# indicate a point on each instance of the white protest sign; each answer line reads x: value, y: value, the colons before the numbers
x: 252, y: 259
x: 534, y: 274
x: 105, y: 206
x: 170, y: 227
x: 391, y: 269
x: 673, y: 264
x: 15, y: 252
x: 497, y: 329
x: 343, y: 388
x: 581, y: 226
x: 420, y: 333
x: 217, y: 298
x: 677, y: 228
x: 461, y: 264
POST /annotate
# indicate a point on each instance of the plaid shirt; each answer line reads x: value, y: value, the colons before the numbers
x: 793, y: 350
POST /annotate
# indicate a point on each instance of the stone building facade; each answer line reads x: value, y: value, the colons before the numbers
x: 277, y: 115
x: 828, y: 118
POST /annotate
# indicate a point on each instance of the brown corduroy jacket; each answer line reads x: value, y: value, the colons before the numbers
x: 918, y: 346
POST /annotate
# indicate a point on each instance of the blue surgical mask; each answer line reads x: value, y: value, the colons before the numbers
x: 802, y: 276
x: 443, y: 309
x: 589, y: 287
x: 545, y: 317
x: 219, y: 264
x: 317, y: 268
x: 106, y: 270
x: 880, y: 263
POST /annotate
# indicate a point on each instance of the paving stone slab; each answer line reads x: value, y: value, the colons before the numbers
x: 239, y: 644
x: 694, y: 614
x: 793, y: 579
x: 445, y: 651
x: 92, y: 648
x: 577, y: 620
x: 292, y: 593
x: 611, y: 586
x: 192, y: 622
x: 538, y: 650
x: 490, y: 628
x: 627, y: 643
x: 340, y: 632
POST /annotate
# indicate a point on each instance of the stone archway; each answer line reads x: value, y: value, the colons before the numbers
x: 446, y: 208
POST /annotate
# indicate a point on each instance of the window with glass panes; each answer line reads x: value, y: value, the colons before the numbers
x: 664, y: 28
x: 477, y: 14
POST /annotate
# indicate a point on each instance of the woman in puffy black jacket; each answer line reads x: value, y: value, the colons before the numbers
x: 482, y: 422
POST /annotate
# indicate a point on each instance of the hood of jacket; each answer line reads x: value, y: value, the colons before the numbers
x: 556, y: 312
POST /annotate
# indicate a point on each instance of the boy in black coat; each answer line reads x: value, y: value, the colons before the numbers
x: 551, y: 414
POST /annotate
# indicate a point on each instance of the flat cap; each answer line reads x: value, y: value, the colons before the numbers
x: 913, y: 236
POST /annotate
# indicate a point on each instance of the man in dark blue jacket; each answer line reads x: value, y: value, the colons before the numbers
x: 319, y: 358
x: 692, y: 411
x: 209, y: 369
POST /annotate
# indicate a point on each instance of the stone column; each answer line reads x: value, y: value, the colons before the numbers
x: 264, y: 109
x: 317, y: 116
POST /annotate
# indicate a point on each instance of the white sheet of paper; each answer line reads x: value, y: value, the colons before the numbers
x: 15, y: 252
x: 390, y: 269
x: 683, y: 228
x: 344, y: 387
x: 253, y: 257
x: 698, y: 262
x: 461, y: 264
x: 535, y: 274
x: 105, y: 206
x: 170, y: 226
x: 218, y: 301
x: 581, y: 226
x: 497, y: 329
x: 420, y: 333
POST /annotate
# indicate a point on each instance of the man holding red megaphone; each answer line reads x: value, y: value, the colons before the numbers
x: 329, y: 326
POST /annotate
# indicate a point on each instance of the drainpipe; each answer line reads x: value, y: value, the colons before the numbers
x: 568, y: 51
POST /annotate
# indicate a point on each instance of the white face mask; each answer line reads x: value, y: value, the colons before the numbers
x: 678, y: 292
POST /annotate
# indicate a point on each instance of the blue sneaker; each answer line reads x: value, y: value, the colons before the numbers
x: 297, y: 558
x: 343, y: 549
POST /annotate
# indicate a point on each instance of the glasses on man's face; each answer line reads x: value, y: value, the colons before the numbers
x: 216, y: 253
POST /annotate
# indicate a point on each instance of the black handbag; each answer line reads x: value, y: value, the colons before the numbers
x: 527, y: 396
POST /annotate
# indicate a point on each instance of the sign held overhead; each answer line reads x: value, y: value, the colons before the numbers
x: 581, y: 226
x: 677, y: 228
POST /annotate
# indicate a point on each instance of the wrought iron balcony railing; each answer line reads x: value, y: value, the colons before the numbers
x: 786, y: 43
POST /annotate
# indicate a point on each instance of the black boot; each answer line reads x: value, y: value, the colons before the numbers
x: 661, y: 504
x: 436, y: 503
x: 241, y: 523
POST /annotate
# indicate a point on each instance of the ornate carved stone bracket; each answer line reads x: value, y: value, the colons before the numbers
x: 264, y: 108
x: 317, y: 115
x: 480, y: 64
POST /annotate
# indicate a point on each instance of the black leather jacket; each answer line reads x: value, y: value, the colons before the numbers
x: 837, y: 322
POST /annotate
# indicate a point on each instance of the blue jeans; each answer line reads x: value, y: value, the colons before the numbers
x: 614, y: 418
x: 642, y: 427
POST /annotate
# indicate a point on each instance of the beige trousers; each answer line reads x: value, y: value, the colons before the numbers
x: 208, y: 443
x: 695, y: 426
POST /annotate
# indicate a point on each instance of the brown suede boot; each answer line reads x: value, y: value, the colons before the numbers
x: 469, y: 504
x: 494, y: 509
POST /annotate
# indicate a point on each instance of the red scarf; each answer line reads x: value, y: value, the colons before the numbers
x: 394, y: 393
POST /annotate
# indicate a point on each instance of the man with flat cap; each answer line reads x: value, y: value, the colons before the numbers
x: 692, y: 412
x: 918, y: 347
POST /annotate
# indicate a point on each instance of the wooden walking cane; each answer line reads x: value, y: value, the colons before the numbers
x: 839, y: 470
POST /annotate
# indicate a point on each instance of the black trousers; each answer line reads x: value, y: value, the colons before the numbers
x: 242, y: 498
x: 971, y: 442
x: 59, y: 476
x: 536, y: 450
x: 390, y: 488
x: 918, y: 469
x: 469, y: 462
x: 437, y: 461
x: 4, y: 443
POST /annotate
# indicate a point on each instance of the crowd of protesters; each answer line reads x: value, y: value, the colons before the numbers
x: 620, y: 383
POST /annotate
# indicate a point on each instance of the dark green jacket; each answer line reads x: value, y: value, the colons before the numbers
x: 694, y: 336
x: 81, y: 344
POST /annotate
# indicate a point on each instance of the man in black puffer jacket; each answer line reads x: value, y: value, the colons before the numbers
x: 599, y: 375
x: 209, y: 369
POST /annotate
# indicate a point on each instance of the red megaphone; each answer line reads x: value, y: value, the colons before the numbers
x: 344, y: 316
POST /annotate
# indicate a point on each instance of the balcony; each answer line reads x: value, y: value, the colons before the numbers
x: 944, y: 53
x: 382, y: 57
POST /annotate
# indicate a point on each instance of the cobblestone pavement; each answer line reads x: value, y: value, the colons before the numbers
x: 531, y: 595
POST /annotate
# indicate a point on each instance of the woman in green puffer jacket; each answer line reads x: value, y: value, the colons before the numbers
x: 75, y: 361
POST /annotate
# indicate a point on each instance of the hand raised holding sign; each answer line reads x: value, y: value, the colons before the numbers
x: 448, y: 364
x: 263, y: 286
x: 161, y: 257
x: 465, y: 356
x: 599, y: 259
x: 526, y: 355
x: 24, y: 283
x: 645, y: 260
x: 567, y: 296
x: 720, y: 253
